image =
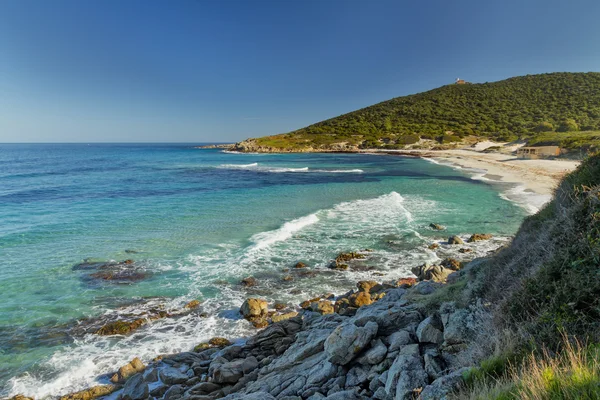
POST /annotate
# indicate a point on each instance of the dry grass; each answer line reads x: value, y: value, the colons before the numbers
x: 573, y: 374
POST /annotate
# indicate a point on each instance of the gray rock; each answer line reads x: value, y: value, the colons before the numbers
x: 135, y: 388
x: 442, y: 386
x: 434, y: 364
x: 232, y: 371
x: 204, y: 388
x: 406, y: 374
x: 347, y: 341
x: 150, y: 375
x: 458, y: 327
x: 174, y: 392
x: 345, y: 395
x: 251, y: 396
x: 316, y: 396
x: 398, y: 339
x: 390, y: 317
x: 356, y: 376
x: 430, y: 330
x: 172, y: 376
x: 426, y: 287
x: 374, y: 355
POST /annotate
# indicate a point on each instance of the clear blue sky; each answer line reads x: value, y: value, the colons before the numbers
x: 125, y: 70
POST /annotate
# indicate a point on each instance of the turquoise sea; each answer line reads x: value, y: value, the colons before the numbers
x: 195, y: 222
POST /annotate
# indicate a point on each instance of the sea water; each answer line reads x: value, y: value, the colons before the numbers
x: 198, y: 221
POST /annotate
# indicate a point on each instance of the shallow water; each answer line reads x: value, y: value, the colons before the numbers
x: 196, y: 222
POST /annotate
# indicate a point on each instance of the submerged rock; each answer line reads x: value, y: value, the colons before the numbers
x: 341, y: 261
x: 249, y: 281
x: 437, y: 227
x: 476, y: 237
x: 300, y: 265
x: 121, y: 327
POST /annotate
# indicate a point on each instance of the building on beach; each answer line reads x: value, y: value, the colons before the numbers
x: 538, y: 152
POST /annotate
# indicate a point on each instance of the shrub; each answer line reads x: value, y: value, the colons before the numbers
x: 568, y: 125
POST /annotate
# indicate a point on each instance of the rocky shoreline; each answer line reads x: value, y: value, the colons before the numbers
x: 393, y: 340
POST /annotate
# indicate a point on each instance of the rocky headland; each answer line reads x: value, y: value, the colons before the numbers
x: 404, y: 339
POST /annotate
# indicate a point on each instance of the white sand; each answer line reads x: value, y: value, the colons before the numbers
x: 535, y: 180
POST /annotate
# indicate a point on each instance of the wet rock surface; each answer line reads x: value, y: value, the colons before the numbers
x: 373, y: 342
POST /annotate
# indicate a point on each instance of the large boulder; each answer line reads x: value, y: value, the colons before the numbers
x: 406, y: 375
x: 135, y: 388
x: 435, y: 273
x: 322, y: 307
x: 172, y: 376
x: 231, y: 372
x: 347, y: 341
x: 359, y: 299
x: 430, y: 330
x: 253, y: 309
x: 374, y: 355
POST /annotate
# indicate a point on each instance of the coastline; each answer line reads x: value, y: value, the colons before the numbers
x: 531, y: 182
x: 540, y: 176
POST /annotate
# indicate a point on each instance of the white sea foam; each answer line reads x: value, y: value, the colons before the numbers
x: 262, y: 168
x: 264, y: 239
x: 532, y: 202
x: 239, y: 166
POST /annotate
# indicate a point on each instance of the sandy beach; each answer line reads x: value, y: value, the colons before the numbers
x: 535, y: 180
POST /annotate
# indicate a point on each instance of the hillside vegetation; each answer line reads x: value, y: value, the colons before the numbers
x: 546, y: 292
x: 522, y: 107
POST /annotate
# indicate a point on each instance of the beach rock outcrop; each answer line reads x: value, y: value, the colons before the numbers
x: 87, y: 394
x: 477, y: 237
x: 455, y: 240
x: 253, y: 309
x: 436, y: 273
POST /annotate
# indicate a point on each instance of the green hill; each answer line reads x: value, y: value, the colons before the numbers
x: 522, y: 107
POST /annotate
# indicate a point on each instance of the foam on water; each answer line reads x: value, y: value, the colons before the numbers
x: 260, y: 168
x: 264, y: 239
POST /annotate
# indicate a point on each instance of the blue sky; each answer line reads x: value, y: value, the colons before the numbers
x: 197, y: 71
